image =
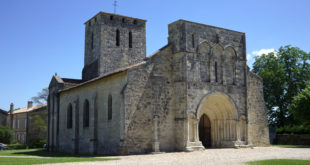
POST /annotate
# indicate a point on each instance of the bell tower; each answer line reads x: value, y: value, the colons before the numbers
x: 112, y: 42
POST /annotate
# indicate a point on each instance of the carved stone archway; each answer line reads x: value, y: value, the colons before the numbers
x: 223, y: 118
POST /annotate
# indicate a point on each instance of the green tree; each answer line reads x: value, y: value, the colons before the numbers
x: 285, y: 73
x: 37, y: 130
x: 41, y: 97
x: 300, y: 106
x: 6, y: 134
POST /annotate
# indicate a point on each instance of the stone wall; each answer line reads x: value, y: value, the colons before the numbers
x: 148, y: 96
x: 100, y: 43
x: 257, y: 119
x: 55, y: 85
x: 102, y: 134
x: 3, y: 117
x: 205, y: 60
x: 287, y: 139
x: 19, y: 127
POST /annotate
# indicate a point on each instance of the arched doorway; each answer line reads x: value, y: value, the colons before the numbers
x: 218, y: 121
x: 205, y: 131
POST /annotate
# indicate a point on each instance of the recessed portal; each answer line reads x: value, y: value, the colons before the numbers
x: 218, y: 121
x: 205, y: 131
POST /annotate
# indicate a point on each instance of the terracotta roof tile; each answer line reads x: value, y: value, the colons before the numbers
x: 23, y: 110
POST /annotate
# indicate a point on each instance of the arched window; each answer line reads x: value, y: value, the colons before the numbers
x: 69, y: 116
x: 110, y: 107
x: 92, y: 41
x: 130, y: 39
x: 215, y: 71
x: 117, y: 37
x: 86, y: 114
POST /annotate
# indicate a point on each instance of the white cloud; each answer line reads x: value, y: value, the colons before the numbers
x: 260, y: 52
x: 263, y: 51
x: 248, y: 56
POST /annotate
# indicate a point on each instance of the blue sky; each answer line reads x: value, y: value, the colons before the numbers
x: 39, y: 38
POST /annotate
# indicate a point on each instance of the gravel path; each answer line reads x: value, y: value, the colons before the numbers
x: 209, y: 156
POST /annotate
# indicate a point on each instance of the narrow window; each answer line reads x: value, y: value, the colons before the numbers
x: 25, y: 124
x: 135, y: 22
x: 86, y: 114
x: 123, y: 20
x: 69, y: 116
x: 17, y: 123
x: 110, y: 107
x: 92, y: 41
x: 111, y: 17
x: 95, y: 19
x: 193, y: 41
x: 117, y: 37
x: 215, y: 69
x: 130, y: 40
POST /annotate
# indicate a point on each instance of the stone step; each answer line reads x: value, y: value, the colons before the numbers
x: 244, y: 146
x: 194, y: 146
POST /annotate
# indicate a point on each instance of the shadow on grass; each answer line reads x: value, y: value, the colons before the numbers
x: 43, y: 153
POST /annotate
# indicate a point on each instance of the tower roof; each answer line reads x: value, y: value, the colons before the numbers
x: 111, y: 14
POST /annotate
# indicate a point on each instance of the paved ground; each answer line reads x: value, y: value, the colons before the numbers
x: 210, y: 157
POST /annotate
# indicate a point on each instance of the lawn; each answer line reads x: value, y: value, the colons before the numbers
x: 43, y: 157
x: 36, y: 152
x: 291, y: 146
x: 280, y: 162
x: 29, y: 161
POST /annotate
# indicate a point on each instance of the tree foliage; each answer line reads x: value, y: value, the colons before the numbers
x: 41, y: 97
x: 300, y: 106
x: 6, y: 134
x: 285, y: 73
x: 37, y: 130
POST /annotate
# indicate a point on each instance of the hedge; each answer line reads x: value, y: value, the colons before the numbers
x: 294, y: 129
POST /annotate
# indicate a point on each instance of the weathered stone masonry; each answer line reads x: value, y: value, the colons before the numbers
x: 196, y: 92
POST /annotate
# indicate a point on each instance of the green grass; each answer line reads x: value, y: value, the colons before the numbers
x: 39, y: 152
x: 280, y: 162
x: 43, y: 157
x: 291, y: 146
x: 28, y: 161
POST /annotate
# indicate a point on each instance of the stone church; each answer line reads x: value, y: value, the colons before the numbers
x: 196, y: 92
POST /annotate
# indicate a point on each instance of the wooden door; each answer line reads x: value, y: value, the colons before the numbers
x: 205, y: 131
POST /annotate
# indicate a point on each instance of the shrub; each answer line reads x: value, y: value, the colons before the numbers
x: 6, y: 134
x: 16, y: 146
x: 300, y: 106
x: 38, y: 144
x: 294, y: 129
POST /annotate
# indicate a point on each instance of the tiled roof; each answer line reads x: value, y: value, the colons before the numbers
x: 104, y: 76
x: 23, y: 110
x: 3, y: 112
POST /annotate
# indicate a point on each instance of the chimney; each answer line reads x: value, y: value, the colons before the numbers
x: 29, y: 104
x: 11, y: 115
x: 11, y: 108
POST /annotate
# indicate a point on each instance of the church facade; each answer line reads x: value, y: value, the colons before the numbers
x: 196, y: 92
